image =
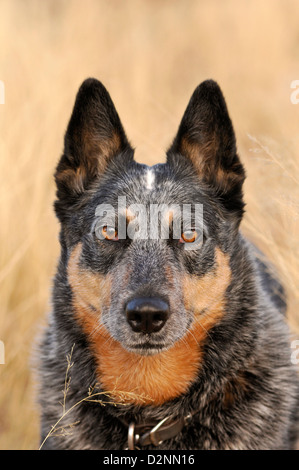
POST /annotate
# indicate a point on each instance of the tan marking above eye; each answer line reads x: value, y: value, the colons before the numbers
x: 208, y: 293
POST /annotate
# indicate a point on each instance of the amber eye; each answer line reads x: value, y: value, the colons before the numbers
x: 189, y: 236
x: 109, y: 233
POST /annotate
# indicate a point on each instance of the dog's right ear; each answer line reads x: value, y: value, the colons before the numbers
x: 93, y: 138
x: 206, y: 140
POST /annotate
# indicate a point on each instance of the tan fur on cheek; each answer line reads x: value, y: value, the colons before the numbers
x: 205, y: 297
x: 91, y: 291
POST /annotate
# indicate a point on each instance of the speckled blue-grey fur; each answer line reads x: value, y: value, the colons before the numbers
x: 251, y: 341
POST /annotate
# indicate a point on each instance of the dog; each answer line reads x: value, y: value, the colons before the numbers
x: 175, y: 342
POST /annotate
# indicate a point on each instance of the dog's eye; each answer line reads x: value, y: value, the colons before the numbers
x: 189, y: 236
x: 109, y: 233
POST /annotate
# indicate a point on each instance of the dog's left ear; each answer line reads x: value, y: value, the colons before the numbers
x: 206, y: 139
x: 94, y: 137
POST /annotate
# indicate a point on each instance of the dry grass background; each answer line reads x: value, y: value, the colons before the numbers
x: 151, y: 55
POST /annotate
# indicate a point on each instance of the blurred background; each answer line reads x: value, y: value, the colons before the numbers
x: 150, y: 55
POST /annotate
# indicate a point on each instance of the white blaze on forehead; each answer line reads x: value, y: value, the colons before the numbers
x: 150, y: 178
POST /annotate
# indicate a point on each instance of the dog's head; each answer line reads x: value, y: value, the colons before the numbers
x: 147, y: 248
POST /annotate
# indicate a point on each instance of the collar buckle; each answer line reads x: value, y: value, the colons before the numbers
x: 155, y: 434
x: 132, y: 437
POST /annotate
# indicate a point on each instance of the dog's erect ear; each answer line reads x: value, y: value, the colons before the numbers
x: 206, y: 138
x: 94, y: 136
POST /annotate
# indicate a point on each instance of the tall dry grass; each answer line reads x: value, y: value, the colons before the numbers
x: 150, y: 55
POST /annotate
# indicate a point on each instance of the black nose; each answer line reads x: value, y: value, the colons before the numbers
x: 147, y: 314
